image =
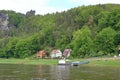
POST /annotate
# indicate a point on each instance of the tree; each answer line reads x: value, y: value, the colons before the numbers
x: 23, y: 48
x: 105, y: 41
x: 117, y: 38
x: 10, y: 47
x: 28, y: 46
x: 111, y: 18
x: 82, y: 43
x: 3, y: 43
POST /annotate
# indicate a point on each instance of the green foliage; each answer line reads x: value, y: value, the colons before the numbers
x: 87, y: 30
x: 27, y: 47
x: 10, y: 47
x: 117, y: 39
x: 16, y: 19
x: 105, y: 41
x: 23, y: 49
x: 111, y: 19
x: 82, y: 42
x: 3, y: 43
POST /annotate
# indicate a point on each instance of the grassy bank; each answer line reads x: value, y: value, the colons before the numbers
x: 29, y: 61
x: 113, y: 62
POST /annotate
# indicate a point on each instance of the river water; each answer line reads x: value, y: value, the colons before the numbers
x: 57, y: 72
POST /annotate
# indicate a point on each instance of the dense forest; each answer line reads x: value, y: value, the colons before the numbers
x: 90, y: 31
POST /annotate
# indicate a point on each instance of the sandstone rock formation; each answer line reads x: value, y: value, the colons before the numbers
x: 30, y: 13
x: 4, y: 21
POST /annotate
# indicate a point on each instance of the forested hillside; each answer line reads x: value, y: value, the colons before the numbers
x: 89, y: 31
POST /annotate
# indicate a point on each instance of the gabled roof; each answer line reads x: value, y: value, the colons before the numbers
x: 55, y: 51
x: 66, y: 52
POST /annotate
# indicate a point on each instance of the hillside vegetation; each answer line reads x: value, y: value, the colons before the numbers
x: 90, y: 31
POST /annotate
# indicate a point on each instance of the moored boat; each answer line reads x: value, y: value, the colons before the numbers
x: 62, y: 61
x: 79, y: 63
x: 76, y: 63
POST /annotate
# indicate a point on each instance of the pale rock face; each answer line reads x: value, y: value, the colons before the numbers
x: 4, y: 21
x: 30, y: 13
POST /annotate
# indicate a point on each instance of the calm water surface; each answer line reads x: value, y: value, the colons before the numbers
x: 45, y: 72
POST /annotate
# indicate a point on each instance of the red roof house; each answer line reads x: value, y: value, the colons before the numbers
x: 42, y: 53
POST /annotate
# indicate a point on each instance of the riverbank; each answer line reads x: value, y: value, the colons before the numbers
x: 113, y: 62
x: 29, y: 61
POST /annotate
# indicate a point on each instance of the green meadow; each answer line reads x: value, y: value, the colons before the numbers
x: 113, y: 62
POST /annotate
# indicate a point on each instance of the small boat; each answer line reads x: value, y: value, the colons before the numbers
x: 62, y: 61
x: 79, y: 63
x: 76, y: 63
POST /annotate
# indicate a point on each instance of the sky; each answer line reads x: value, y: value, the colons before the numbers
x: 48, y: 6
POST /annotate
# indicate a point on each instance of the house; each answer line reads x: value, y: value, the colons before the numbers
x: 42, y: 54
x: 66, y: 53
x: 56, y: 53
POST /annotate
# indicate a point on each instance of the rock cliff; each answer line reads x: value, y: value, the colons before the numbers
x: 4, y: 21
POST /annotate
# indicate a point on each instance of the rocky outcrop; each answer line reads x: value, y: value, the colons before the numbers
x: 30, y: 13
x: 4, y: 21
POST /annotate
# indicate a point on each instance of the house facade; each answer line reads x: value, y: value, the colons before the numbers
x: 56, y: 53
x: 41, y: 54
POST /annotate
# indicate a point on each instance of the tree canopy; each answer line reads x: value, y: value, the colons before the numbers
x: 88, y: 30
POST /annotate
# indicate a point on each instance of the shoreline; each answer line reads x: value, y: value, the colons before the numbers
x: 113, y: 62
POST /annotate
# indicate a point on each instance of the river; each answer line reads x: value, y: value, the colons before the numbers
x: 57, y: 72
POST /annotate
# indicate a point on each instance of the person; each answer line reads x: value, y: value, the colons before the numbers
x: 119, y: 51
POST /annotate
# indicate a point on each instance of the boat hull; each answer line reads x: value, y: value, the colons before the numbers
x: 74, y: 63
x: 79, y: 63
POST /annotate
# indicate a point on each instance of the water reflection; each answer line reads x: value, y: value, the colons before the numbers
x: 95, y: 73
x: 55, y: 72
x: 60, y: 72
